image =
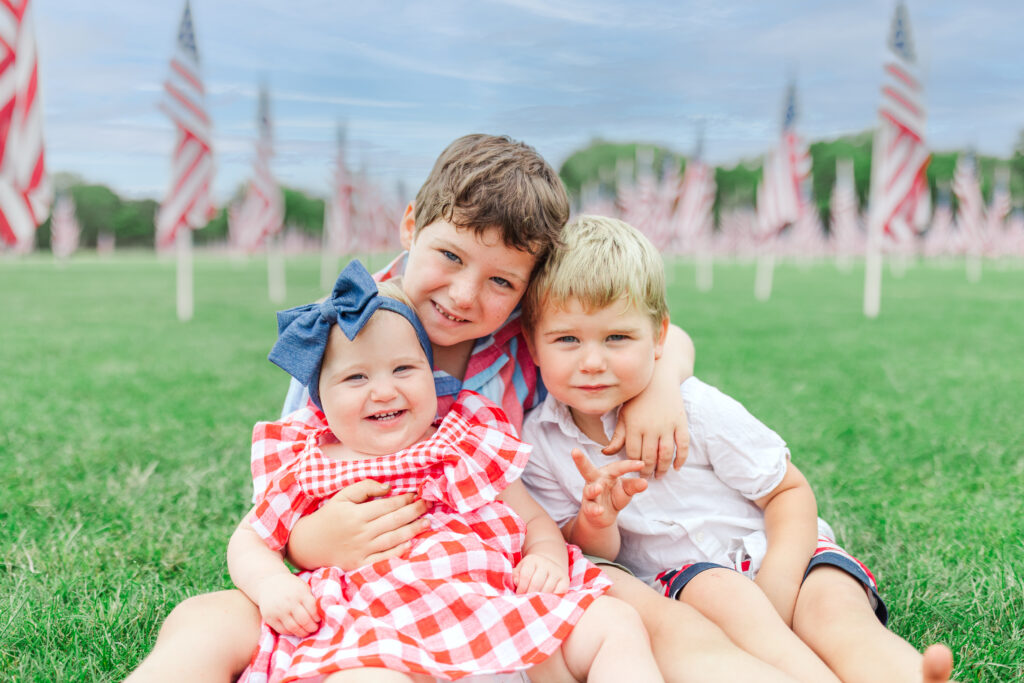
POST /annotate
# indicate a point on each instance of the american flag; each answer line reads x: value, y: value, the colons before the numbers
x: 900, y: 158
x: 261, y: 213
x: 999, y: 209
x: 64, y: 227
x: 25, y: 192
x: 338, y: 214
x: 970, y: 216
x: 189, y: 201
x: 780, y: 198
x: 692, y: 218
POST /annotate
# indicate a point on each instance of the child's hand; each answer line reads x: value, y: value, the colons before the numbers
x: 653, y: 428
x: 537, y: 573
x: 606, y: 491
x: 358, y: 525
x: 287, y: 605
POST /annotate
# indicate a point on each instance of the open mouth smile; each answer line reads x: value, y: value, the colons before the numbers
x: 385, y: 417
x: 448, y: 315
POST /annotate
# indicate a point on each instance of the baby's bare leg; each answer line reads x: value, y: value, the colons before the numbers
x: 739, y: 607
x: 206, y: 638
x: 376, y: 676
x: 687, y: 646
x: 608, y: 644
x: 833, y: 616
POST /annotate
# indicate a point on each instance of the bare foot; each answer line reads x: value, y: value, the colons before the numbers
x: 937, y: 666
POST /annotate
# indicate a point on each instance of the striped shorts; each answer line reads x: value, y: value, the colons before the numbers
x: 672, y: 581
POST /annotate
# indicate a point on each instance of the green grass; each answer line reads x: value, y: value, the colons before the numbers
x: 124, y: 440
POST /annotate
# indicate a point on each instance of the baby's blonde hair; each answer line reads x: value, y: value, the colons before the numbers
x: 601, y: 260
x: 393, y: 290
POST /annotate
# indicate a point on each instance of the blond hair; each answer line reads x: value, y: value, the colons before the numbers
x: 393, y: 290
x: 600, y: 261
x: 490, y: 181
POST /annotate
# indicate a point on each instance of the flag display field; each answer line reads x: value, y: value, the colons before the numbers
x: 125, y: 440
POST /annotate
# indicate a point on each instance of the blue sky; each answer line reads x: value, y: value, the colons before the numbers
x: 407, y: 78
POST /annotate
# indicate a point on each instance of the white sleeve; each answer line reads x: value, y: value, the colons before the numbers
x: 744, y: 453
x: 296, y: 398
x: 542, y: 478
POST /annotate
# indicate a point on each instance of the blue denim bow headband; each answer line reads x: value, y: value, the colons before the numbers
x: 302, y: 331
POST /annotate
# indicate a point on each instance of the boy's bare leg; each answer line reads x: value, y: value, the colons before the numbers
x: 209, y: 637
x: 739, y: 607
x: 687, y: 646
x: 608, y: 645
x: 833, y: 616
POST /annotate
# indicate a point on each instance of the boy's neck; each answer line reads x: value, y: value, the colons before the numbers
x: 591, y: 425
x: 454, y: 359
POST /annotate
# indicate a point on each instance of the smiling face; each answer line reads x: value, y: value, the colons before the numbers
x: 595, y: 360
x: 463, y: 285
x: 377, y: 390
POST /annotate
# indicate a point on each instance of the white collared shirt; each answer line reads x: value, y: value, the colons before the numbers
x: 704, y: 512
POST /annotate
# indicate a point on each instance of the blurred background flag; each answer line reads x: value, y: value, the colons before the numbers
x: 260, y: 217
x: 846, y: 230
x: 970, y: 213
x: 25, y: 192
x: 337, y: 217
x: 693, y: 214
x: 780, y: 196
x: 64, y: 228
x: 189, y: 202
x: 899, y: 157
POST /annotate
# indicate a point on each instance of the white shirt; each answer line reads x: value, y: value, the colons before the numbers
x: 704, y: 512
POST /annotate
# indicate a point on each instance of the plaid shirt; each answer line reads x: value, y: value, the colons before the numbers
x: 449, y: 608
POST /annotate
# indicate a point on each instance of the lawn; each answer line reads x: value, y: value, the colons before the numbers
x: 124, y: 440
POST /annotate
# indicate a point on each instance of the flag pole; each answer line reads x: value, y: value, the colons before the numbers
x: 185, y: 297
x: 275, y: 270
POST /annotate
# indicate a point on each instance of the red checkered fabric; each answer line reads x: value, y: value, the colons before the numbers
x: 449, y: 608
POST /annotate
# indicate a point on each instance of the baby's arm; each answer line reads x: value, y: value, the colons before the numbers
x: 285, y: 601
x: 791, y: 525
x: 545, y: 564
x: 652, y: 425
x: 605, y: 494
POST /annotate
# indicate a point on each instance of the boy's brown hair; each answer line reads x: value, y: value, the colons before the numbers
x: 485, y: 181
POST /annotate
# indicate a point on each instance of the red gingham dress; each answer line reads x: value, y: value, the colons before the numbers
x: 449, y: 608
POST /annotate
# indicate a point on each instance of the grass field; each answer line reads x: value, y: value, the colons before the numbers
x: 124, y: 440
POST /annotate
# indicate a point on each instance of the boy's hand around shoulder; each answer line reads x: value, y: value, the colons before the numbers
x: 538, y: 573
x: 653, y: 428
x: 287, y: 605
x: 607, y: 491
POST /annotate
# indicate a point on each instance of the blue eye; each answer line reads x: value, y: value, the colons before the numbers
x: 355, y: 378
x: 566, y: 339
x: 617, y: 337
x: 450, y: 256
x: 501, y: 282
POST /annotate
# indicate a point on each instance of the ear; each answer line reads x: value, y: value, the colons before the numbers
x: 407, y: 226
x: 660, y: 334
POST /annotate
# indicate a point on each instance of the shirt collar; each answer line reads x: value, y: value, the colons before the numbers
x: 555, y: 412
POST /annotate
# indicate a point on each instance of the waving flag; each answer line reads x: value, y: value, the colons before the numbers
x: 900, y: 157
x: 24, y: 189
x: 261, y: 213
x: 692, y: 219
x: 970, y: 214
x: 338, y: 214
x: 779, y: 196
x: 64, y: 228
x: 188, y: 203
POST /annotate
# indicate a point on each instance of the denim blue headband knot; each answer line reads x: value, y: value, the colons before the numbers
x: 302, y: 331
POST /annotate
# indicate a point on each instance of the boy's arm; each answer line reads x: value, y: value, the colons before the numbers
x: 545, y: 563
x: 356, y: 527
x: 652, y: 425
x: 285, y: 601
x: 605, y: 493
x: 791, y: 525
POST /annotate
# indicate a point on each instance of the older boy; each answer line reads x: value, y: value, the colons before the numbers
x: 597, y: 320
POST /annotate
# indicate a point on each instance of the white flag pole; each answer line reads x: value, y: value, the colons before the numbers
x: 705, y: 269
x: 764, y: 273
x: 873, y: 254
x: 185, y: 298
x: 275, y: 270
x: 328, y: 259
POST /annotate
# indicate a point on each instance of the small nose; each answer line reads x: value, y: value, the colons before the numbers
x: 463, y: 292
x: 383, y: 389
x: 593, y: 360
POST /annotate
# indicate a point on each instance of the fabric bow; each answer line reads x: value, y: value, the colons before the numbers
x: 302, y: 331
